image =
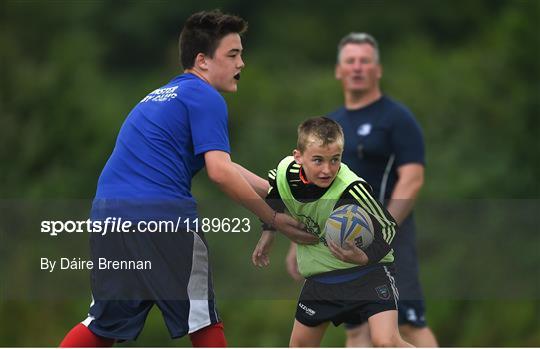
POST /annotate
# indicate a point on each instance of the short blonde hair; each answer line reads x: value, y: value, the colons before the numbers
x: 322, y: 129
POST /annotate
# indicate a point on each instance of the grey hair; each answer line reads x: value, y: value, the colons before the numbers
x: 358, y: 38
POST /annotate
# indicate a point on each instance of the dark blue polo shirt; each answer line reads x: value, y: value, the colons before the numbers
x: 379, y: 138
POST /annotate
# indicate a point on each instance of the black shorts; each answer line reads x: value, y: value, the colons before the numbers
x: 179, y: 282
x: 351, y: 302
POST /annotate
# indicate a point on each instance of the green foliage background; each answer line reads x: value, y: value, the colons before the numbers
x: 71, y: 71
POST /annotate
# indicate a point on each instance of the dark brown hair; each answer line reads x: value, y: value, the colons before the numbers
x: 203, y: 31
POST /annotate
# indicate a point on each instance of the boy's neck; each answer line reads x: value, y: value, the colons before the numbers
x: 303, y: 176
x: 306, y: 191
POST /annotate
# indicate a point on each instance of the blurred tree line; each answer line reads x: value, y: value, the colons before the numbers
x: 469, y: 70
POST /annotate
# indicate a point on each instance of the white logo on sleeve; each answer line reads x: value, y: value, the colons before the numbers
x: 161, y: 95
x: 411, y: 315
x: 364, y: 130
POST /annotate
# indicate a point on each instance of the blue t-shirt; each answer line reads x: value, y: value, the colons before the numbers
x: 379, y: 138
x: 159, y: 149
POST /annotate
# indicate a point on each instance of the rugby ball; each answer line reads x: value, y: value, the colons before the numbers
x: 349, y: 223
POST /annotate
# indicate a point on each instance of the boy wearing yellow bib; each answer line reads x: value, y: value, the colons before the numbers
x: 343, y: 284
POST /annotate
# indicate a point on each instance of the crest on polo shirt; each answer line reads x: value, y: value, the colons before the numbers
x: 364, y: 130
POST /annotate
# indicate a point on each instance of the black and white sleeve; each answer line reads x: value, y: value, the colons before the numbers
x: 384, y: 226
x: 273, y: 199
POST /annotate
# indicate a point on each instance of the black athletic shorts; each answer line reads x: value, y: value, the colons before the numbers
x: 352, y: 302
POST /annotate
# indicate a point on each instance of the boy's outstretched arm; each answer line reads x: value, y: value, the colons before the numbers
x: 220, y: 170
x: 258, y: 184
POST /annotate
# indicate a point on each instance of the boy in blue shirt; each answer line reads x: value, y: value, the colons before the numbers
x: 169, y: 136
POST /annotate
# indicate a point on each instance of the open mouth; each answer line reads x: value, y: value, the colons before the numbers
x: 237, y: 77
